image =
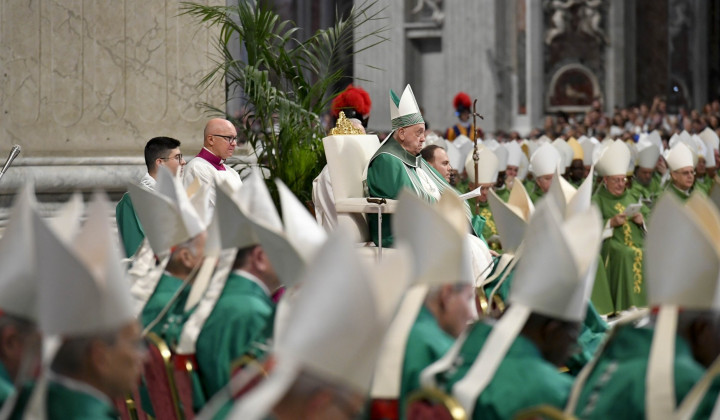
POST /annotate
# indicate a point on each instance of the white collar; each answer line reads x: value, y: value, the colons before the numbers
x: 253, y: 279
x: 79, y: 386
x: 148, y: 181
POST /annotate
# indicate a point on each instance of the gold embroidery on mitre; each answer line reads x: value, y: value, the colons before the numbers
x: 344, y: 126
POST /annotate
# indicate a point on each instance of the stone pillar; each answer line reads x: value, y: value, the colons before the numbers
x: 95, y: 80
x: 699, y: 54
x: 535, y: 48
x: 382, y: 67
x: 620, y: 75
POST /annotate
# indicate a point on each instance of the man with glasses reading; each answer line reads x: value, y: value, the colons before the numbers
x: 624, y: 231
x: 159, y: 151
x: 219, y: 142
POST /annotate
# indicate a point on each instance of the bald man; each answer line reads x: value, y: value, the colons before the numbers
x: 219, y: 142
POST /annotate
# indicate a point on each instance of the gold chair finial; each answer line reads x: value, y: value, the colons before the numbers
x: 344, y: 126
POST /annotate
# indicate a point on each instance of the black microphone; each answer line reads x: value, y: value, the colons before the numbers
x: 13, y: 154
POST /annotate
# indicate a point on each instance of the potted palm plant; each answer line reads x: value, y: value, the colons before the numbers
x: 286, y: 83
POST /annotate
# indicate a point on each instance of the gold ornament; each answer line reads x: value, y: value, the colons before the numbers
x: 344, y: 126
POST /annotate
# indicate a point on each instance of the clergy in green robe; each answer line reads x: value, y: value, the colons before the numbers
x: 592, y: 332
x: 241, y: 321
x: 525, y: 378
x: 89, y: 371
x: 394, y: 168
x: 442, y: 318
x: 616, y: 386
x: 645, y: 185
x: 540, y: 187
x: 622, y: 250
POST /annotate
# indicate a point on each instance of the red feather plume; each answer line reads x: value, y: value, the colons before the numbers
x: 462, y: 99
x: 352, y: 97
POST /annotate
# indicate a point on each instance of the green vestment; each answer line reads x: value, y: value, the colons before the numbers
x: 622, y: 253
x: 680, y: 194
x: 703, y: 184
x: 426, y: 344
x: 164, y: 291
x: 129, y: 228
x: 240, y: 322
x: 643, y: 193
x: 615, y: 388
x: 67, y: 404
x: 592, y: 332
x: 393, y: 169
x: 6, y: 385
x: 523, y: 380
x: 503, y: 193
x: 535, y: 192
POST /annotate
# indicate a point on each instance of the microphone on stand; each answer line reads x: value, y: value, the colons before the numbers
x: 14, y: 152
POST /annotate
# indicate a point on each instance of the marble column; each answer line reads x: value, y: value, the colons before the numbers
x: 535, y: 48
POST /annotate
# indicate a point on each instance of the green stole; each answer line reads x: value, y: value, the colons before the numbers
x: 6, y: 385
x: 129, y: 228
x: 240, y: 324
x: 615, y: 388
x: 523, y: 380
x: 392, y: 169
x: 64, y: 403
x: 426, y: 344
x: 622, y: 253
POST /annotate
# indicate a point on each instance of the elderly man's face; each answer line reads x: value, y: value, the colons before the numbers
x: 221, y: 138
x: 683, y: 178
x: 615, y: 184
x: 412, y: 138
x: 122, y: 362
x: 441, y: 163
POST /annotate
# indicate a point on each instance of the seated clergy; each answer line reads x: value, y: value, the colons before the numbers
x: 624, y: 234
x: 176, y: 233
x: 323, y: 360
x: 681, y: 163
x: 436, y: 310
x: 543, y: 164
x: 19, y: 338
x: 647, y: 371
x: 84, y: 298
x: 520, y: 354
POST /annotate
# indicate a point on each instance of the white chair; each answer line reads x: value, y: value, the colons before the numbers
x: 347, y: 158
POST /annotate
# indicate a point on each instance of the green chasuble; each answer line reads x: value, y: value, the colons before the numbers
x: 680, y: 194
x: 535, y: 193
x: 503, y: 193
x: 240, y: 323
x: 642, y: 192
x: 391, y: 170
x: 131, y: 233
x: 615, y: 388
x: 601, y: 297
x: 64, y: 403
x: 523, y: 380
x: 592, y: 332
x: 426, y: 344
x: 6, y: 385
x: 164, y: 291
x: 703, y: 184
x: 622, y: 253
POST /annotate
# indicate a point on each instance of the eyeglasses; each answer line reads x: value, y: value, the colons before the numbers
x: 229, y: 139
x: 617, y: 180
x: 178, y: 157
